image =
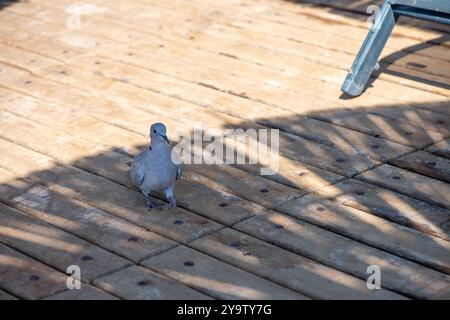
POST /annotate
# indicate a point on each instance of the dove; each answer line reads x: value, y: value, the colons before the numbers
x: 156, y: 169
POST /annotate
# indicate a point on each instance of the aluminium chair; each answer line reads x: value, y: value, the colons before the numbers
x: 366, y: 60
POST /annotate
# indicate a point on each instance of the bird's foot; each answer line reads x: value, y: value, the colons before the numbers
x: 151, y: 205
x: 173, y: 202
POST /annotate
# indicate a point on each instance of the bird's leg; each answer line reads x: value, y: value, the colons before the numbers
x: 170, y: 197
x: 173, y: 202
x: 150, y: 205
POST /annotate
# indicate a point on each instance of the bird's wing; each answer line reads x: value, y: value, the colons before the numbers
x: 137, y: 172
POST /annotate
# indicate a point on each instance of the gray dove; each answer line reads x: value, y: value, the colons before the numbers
x: 154, y: 169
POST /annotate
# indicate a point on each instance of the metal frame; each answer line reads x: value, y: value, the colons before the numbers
x: 366, y: 60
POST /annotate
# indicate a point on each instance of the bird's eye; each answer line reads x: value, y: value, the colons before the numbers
x: 154, y: 131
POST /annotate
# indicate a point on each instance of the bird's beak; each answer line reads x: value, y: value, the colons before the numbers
x: 165, y: 138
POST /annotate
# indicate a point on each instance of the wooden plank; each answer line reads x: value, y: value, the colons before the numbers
x: 87, y: 292
x: 103, y: 194
x: 308, y: 128
x: 441, y: 149
x: 26, y: 278
x: 425, y: 163
x: 55, y: 247
x: 110, y: 164
x: 349, y: 8
x: 390, y: 205
x: 291, y: 172
x: 310, y: 178
x: 350, y: 141
x: 349, y: 256
x: 39, y: 112
x: 348, y: 46
x: 329, y: 158
x: 350, y: 26
x: 296, y: 174
x: 106, y: 230
x: 327, y: 90
x: 285, y: 268
x: 137, y: 283
x: 305, y: 35
x: 358, y: 225
x: 287, y: 147
x: 422, y: 118
x: 438, y: 107
x: 215, y: 278
x: 406, y: 134
x: 31, y: 60
x: 295, y: 11
x: 409, y: 183
x: 245, y: 185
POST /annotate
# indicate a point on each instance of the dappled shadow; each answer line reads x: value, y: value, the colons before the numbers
x: 6, y: 3
x: 419, y: 77
x: 390, y: 64
x: 358, y: 10
x: 98, y: 202
x: 354, y: 186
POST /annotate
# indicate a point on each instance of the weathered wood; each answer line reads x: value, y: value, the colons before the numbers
x: 441, y: 149
x: 31, y: 60
x: 385, y: 128
x: 289, y: 12
x: 347, y: 255
x: 286, y: 268
x: 54, y: 246
x: 409, y: 183
x: 112, y: 233
x: 425, y: 163
x: 296, y: 148
x: 372, y: 230
x: 77, y: 104
x: 215, y: 278
x: 251, y: 187
x: 390, y: 205
x: 422, y: 118
x: 86, y: 292
x: 349, y: 6
x: 26, y: 278
x: 112, y: 165
x: 103, y: 194
x: 291, y: 172
x: 441, y: 107
x: 113, y: 16
x: 137, y: 283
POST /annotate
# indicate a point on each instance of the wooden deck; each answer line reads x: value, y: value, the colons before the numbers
x: 362, y: 181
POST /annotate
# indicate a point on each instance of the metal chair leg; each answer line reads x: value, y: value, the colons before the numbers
x: 368, y: 55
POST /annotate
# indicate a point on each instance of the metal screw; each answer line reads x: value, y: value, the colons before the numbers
x: 235, y: 244
x: 143, y: 283
x: 34, y: 277
x: 86, y: 258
